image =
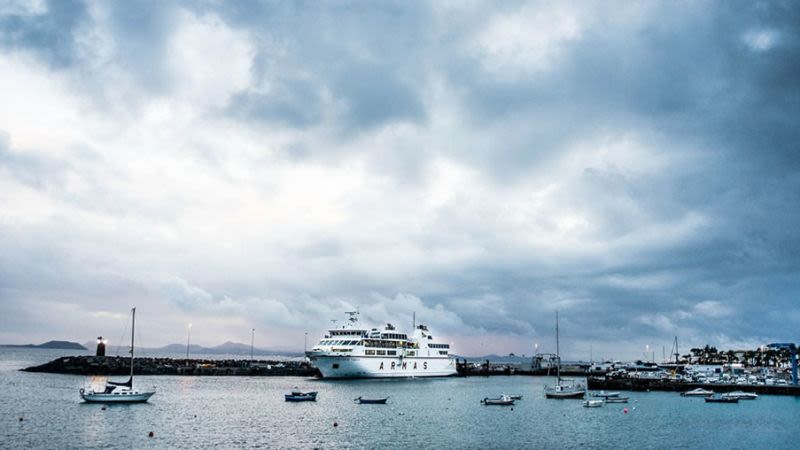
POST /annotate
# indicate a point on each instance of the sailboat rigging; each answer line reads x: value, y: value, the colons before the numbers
x: 115, y: 391
x: 563, y: 388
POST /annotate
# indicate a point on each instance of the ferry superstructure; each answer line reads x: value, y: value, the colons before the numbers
x: 356, y: 352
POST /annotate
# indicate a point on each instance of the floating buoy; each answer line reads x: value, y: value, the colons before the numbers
x: 335, y: 424
x: 103, y: 408
x: 20, y: 419
x: 512, y: 409
x: 625, y: 410
x: 150, y: 434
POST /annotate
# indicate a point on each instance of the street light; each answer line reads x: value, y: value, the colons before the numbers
x: 188, y: 340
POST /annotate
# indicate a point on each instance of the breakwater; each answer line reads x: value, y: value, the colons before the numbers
x: 113, y: 365
x: 643, y: 384
x: 486, y: 368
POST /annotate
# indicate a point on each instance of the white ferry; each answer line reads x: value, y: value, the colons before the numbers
x: 355, y: 352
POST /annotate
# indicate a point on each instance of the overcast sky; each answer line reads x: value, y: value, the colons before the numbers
x: 270, y: 165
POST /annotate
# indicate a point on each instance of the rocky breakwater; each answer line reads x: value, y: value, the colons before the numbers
x: 113, y: 365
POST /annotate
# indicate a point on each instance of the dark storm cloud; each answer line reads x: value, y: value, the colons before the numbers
x: 50, y: 35
x: 681, y: 122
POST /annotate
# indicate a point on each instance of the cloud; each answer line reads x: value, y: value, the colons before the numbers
x: 712, y: 308
x: 761, y: 40
x: 525, y: 41
x: 270, y: 166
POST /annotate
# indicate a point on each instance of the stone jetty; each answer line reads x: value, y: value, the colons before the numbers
x: 114, y: 365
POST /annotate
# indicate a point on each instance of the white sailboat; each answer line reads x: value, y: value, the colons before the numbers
x: 564, y: 388
x: 115, y: 392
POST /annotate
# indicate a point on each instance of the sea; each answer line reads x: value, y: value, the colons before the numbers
x: 250, y: 412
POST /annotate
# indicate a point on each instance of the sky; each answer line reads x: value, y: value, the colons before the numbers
x: 634, y: 166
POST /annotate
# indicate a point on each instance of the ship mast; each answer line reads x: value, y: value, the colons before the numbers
x: 558, y: 354
x: 133, y: 327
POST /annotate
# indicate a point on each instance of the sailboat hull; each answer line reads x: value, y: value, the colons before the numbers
x: 136, y: 397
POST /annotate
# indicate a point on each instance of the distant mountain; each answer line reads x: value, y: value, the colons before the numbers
x: 59, y: 345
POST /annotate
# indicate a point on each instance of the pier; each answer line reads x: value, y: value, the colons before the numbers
x: 114, y: 365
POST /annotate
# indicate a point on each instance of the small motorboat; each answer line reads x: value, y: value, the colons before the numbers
x: 741, y: 395
x: 503, y: 400
x: 513, y: 397
x: 603, y: 394
x: 593, y: 403
x: 297, y: 396
x: 721, y: 399
x: 699, y: 392
x: 616, y: 400
x: 371, y: 401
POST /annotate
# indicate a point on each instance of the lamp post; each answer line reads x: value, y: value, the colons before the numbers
x: 252, y: 339
x: 188, y: 340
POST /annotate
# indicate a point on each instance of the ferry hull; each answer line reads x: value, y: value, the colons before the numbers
x: 376, y: 367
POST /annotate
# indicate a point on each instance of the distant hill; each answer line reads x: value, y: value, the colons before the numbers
x: 58, y: 345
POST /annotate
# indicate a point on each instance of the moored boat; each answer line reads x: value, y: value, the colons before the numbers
x: 721, y: 399
x: 119, y: 392
x: 741, y: 395
x: 297, y: 396
x: 699, y: 392
x: 616, y: 400
x: 603, y: 394
x: 352, y: 351
x: 371, y: 401
x: 563, y: 389
x: 593, y: 403
x: 503, y: 400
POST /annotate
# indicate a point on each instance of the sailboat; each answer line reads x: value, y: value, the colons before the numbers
x: 116, y: 392
x: 564, y: 388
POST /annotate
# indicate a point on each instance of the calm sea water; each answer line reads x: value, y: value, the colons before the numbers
x: 244, y: 412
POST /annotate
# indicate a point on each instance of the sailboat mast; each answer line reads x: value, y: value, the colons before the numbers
x: 677, y: 353
x: 558, y: 353
x: 133, y: 328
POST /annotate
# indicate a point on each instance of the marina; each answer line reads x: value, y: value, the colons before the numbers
x: 217, y: 411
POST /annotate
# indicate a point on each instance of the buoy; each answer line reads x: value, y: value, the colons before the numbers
x: 103, y: 408
x: 20, y: 419
x: 512, y: 409
x: 150, y: 434
x: 625, y: 410
x: 335, y: 424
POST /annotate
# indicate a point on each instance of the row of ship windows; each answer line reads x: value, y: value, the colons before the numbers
x: 373, y: 343
x: 384, y: 352
x: 332, y: 342
x: 394, y: 353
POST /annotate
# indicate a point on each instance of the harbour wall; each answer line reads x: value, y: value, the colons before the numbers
x: 643, y: 384
x: 113, y: 365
